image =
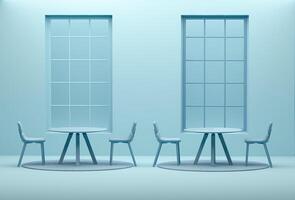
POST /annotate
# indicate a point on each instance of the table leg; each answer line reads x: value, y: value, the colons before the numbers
x: 213, y: 154
x: 65, y: 148
x: 201, y: 148
x: 225, y: 148
x: 77, y: 148
x: 89, y: 148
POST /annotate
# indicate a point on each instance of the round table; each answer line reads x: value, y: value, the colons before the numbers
x: 77, y: 130
x: 213, y: 130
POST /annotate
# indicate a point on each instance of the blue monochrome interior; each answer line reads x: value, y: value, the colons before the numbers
x: 166, y: 95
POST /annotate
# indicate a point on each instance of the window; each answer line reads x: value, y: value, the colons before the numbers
x: 79, y: 67
x: 214, y: 71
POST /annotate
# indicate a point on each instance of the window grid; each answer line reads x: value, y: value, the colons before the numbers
x: 89, y: 71
x: 70, y: 114
x: 94, y: 105
x: 98, y: 82
x: 78, y: 36
x: 224, y: 110
x: 90, y: 83
x: 215, y: 106
x: 213, y: 60
x: 225, y: 60
x: 204, y: 121
x: 238, y: 83
x: 214, y: 37
x: 77, y: 59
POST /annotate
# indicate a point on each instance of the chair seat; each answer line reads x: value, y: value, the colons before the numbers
x: 124, y: 140
x: 252, y: 141
x: 170, y: 140
x: 35, y: 140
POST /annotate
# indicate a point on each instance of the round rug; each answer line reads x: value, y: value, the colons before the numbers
x: 205, y: 166
x: 52, y: 165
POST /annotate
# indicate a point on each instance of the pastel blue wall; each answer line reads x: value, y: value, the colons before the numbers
x: 147, y: 70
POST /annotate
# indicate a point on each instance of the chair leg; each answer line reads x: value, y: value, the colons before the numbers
x: 111, y: 153
x: 22, y: 155
x: 267, y: 154
x: 247, y: 153
x: 157, y: 155
x: 42, y: 153
x: 178, y: 153
x: 132, y: 155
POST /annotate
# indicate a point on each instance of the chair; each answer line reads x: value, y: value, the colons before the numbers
x: 126, y: 140
x: 28, y: 140
x: 260, y: 141
x: 164, y: 140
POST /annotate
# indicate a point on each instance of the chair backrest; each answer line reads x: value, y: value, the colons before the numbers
x: 20, y: 131
x: 268, y: 132
x: 132, y: 133
x: 156, y: 130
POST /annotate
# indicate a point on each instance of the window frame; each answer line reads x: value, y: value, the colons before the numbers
x: 183, y: 66
x: 90, y: 83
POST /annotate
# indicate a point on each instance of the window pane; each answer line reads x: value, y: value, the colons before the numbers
x: 235, y: 49
x: 194, y: 117
x: 79, y: 94
x: 235, y: 117
x: 100, y: 71
x: 214, y: 49
x: 214, y: 28
x: 194, y: 94
x: 235, y: 28
x: 99, y: 27
x: 235, y: 72
x: 59, y: 94
x: 80, y: 70
x: 214, y: 72
x: 59, y: 116
x: 100, y: 94
x: 100, y: 63
x: 59, y: 48
x: 234, y: 94
x: 59, y: 27
x: 214, y: 117
x: 195, y: 49
x: 79, y: 27
x: 59, y: 70
x: 194, y: 28
x: 79, y: 48
x: 80, y: 116
x: 100, y: 48
x: 100, y: 116
x: 214, y: 95
x: 194, y: 71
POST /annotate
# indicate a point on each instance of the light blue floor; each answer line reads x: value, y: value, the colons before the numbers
x: 145, y: 182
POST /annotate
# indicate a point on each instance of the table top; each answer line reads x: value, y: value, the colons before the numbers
x: 213, y: 130
x: 77, y: 129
